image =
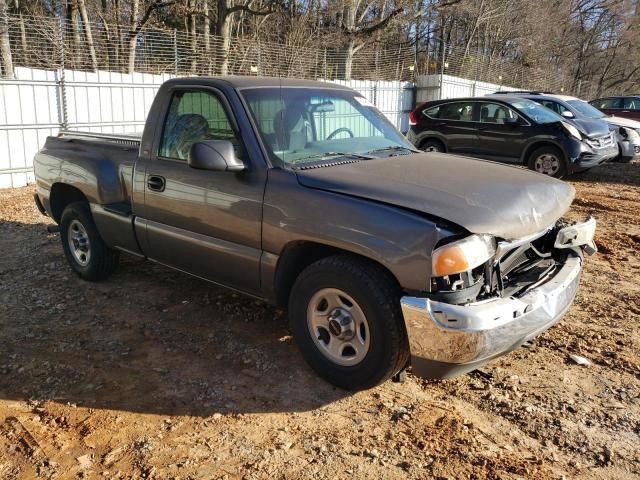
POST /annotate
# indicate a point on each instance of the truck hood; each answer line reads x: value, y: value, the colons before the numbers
x: 623, y: 122
x: 480, y: 196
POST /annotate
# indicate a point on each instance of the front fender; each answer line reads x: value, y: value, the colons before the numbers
x: 400, y: 240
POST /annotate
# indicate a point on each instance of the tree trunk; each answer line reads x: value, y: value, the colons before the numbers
x: 133, y: 35
x: 5, y: 47
x: 87, y: 31
x: 23, y: 32
x: 349, y: 25
x: 207, y: 35
x: 77, y: 41
x: 348, y: 59
x: 223, y: 29
x: 192, y: 34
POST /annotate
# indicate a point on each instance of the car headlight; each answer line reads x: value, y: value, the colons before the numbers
x: 630, y: 134
x: 571, y: 130
x: 462, y: 255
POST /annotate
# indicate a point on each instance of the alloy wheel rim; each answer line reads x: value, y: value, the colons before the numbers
x: 79, y: 244
x: 338, y: 327
x: 547, y: 163
x: 431, y: 148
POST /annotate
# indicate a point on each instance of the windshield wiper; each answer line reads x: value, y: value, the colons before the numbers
x: 393, y: 149
x: 336, y: 154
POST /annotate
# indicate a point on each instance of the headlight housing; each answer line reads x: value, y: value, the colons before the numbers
x: 462, y: 255
x: 630, y: 134
x: 571, y: 130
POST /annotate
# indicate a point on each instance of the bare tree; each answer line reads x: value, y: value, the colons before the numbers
x: 5, y: 46
x: 357, y: 27
x: 225, y: 11
x: 86, y: 25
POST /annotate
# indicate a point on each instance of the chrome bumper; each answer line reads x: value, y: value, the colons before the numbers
x: 448, y: 340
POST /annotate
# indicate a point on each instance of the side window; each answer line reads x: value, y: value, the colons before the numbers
x: 496, y: 113
x: 555, y: 106
x: 631, y: 103
x: 462, y: 111
x: 194, y: 116
x: 609, y: 103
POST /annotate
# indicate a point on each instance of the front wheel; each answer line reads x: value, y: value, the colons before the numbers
x: 548, y: 160
x: 345, y: 316
x: 86, y: 252
x: 432, y: 146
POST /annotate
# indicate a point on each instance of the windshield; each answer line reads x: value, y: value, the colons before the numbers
x: 535, y: 111
x: 302, y: 126
x: 585, y: 109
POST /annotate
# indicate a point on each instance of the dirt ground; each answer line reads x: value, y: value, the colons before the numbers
x: 154, y: 374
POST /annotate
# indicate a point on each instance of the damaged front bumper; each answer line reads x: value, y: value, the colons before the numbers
x: 448, y: 340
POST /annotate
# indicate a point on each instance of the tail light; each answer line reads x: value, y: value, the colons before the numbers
x: 412, y: 118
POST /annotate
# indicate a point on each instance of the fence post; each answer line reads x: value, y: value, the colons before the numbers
x: 61, y: 89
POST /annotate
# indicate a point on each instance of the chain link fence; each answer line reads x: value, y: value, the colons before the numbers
x: 49, y: 43
x: 52, y: 43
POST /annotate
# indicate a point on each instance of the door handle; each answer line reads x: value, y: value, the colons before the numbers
x: 156, y: 183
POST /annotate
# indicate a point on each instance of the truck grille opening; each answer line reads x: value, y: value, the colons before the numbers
x: 518, y: 267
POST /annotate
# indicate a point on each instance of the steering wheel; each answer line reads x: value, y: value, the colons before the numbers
x: 340, y: 130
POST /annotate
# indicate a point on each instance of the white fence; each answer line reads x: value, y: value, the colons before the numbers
x: 35, y: 105
x: 38, y: 102
x: 429, y: 88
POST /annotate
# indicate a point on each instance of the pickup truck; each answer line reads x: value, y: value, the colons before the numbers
x: 301, y: 193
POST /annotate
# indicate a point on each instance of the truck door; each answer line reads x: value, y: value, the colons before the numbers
x: 207, y: 223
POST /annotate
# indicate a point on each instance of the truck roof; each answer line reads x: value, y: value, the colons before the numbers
x: 239, y: 82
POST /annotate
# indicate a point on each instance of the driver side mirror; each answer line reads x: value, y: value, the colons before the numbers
x: 568, y: 114
x: 215, y: 155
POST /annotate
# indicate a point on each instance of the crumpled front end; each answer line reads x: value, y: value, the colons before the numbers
x: 527, y: 287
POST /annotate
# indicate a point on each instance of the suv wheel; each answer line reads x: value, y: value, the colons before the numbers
x: 345, y: 316
x: 432, y: 146
x: 86, y: 252
x: 549, y: 161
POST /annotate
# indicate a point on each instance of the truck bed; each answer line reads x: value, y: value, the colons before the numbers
x: 78, y: 158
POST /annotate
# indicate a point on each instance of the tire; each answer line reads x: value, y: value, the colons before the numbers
x: 378, y: 349
x: 432, y: 145
x: 85, y: 250
x: 548, y: 160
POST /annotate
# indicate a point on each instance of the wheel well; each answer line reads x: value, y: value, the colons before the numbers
x: 531, y: 148
x: 433, y: 139
x: 297, y: 256
x: 61, y: 196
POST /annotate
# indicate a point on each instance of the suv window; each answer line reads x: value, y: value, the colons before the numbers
x: 631, y: 103
x: 496, y: 113
x: 608, y: 103
x: 462, y: 111
x: 193, y: 116
x: 555, y: 106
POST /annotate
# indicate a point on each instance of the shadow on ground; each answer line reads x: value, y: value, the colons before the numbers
x: 147, y: 340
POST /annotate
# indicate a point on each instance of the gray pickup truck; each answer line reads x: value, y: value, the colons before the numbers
x: 303, y: 194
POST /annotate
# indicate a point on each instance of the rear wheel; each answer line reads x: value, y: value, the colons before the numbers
x: 432, y: 145
x: 548, y: 160
x: 345, y: 316
x: 86, y: 252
